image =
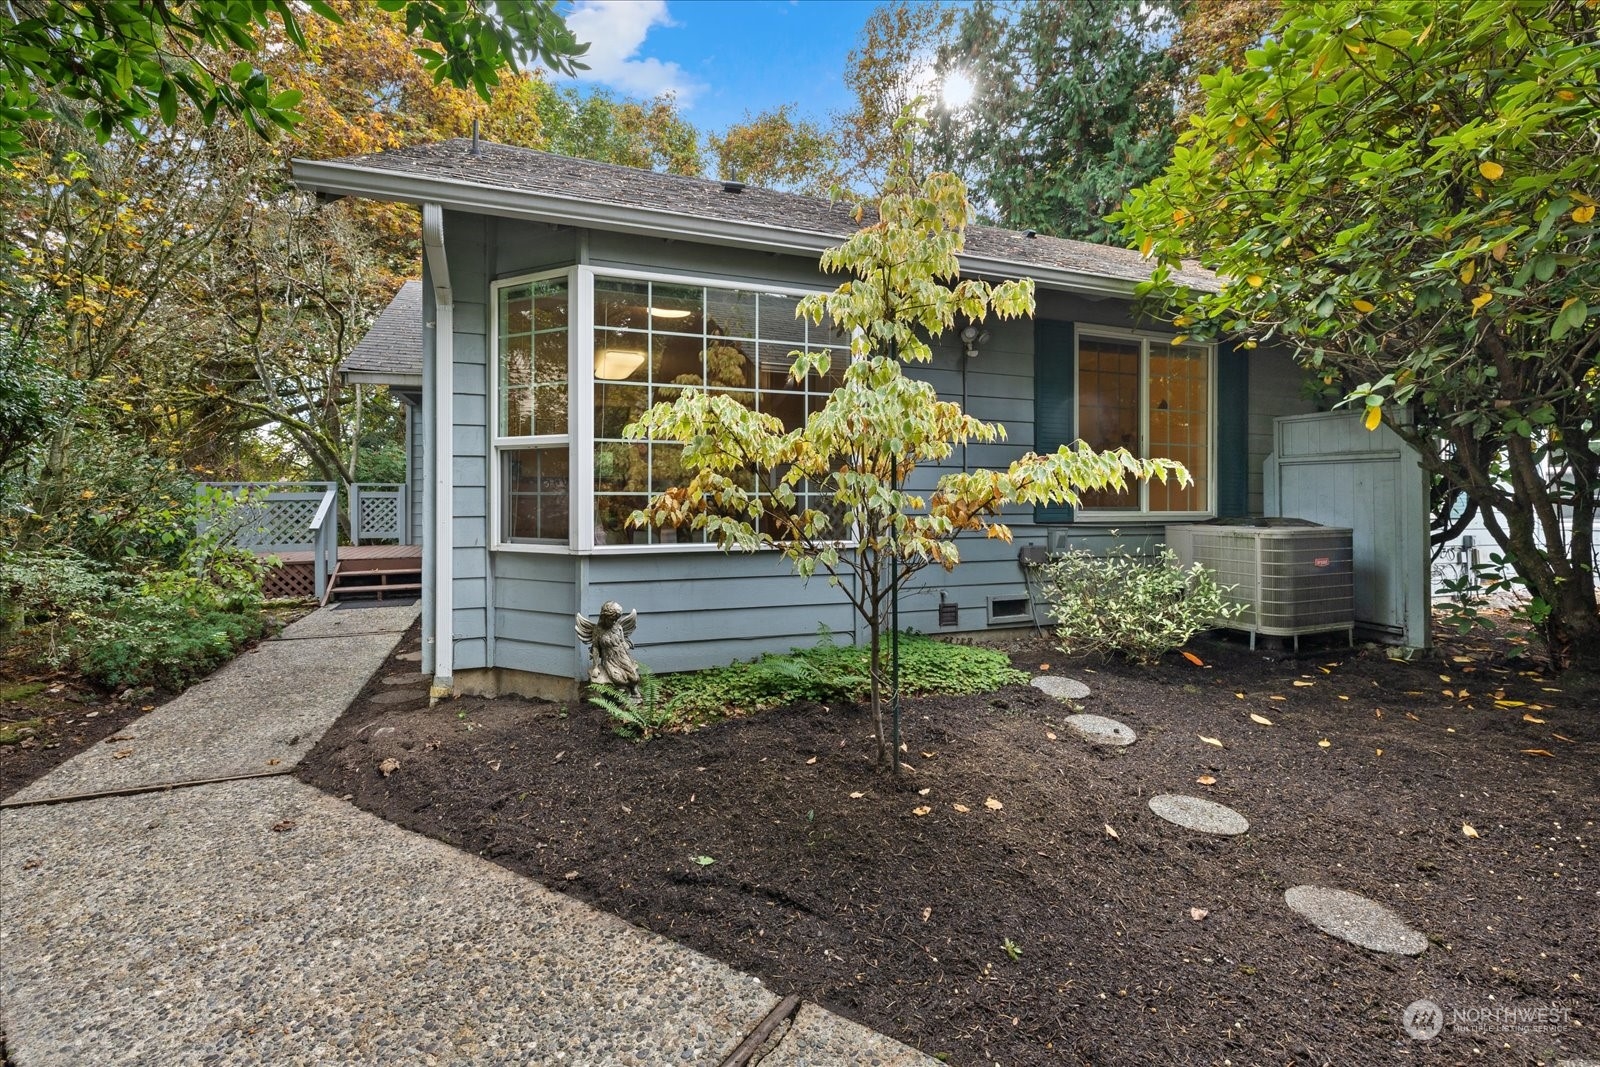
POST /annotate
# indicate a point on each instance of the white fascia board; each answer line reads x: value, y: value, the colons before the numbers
x: 378, y: 377
x: 376, y: 184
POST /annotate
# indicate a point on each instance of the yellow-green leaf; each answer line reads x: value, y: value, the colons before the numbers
x: 1491, y: 170
x: 1363, y: 306
x: 1374, y: 416
x: 1480, y: 300
x: 1254, y: 281
x: 1583, y: 214
x: 1468, y: 272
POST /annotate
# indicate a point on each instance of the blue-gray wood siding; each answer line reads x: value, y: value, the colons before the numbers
x: 697, y: 609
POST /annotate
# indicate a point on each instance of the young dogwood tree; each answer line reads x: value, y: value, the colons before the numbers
x: 833, y: 494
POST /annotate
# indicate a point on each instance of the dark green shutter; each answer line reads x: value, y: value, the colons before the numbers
x: 1054, y: 400
x: 1233, y: 431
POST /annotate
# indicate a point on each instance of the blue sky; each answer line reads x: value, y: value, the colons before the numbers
x: 723, y: 57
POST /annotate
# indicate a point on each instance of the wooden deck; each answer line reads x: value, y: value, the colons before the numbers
x: 359, y: 553
x: 361, y: 567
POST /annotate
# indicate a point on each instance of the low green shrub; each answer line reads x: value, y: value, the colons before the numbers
x: 833, y: 672
x: 157, y: 626
x: 1141, y: 607
x: 162, y: 643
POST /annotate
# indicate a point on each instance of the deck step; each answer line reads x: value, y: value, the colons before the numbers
x: 368, y: 582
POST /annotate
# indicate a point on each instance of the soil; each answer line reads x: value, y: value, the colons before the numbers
x: 1038, y: 912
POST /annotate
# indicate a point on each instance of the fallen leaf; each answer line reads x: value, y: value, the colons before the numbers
x: 1379, y: 751
x: 1050, y: 735
x: 929, y: 755
x: 1305, y: 685
x: 1192, y: 658
x: 273, y: 762
x: 1530, y: 718
x: 810, y: 761
x: 1468, y: 830
x: 1262, y: 719
x: 570, y: 875
x: 1277, y: 697
x: 283, y: 827
x: 124, y: 754
x: 1210, y: 740
x: 922, y: 810
x: 924, y: 792
x: 1564, y: 737
x: 1111, y: 832
x: 1044, y: 666
x: 1377, y: 713
x: 1448, y: 692
x: 704, y: 861
x: 857, y: 796
x: 1343, y: 697
x: 1538, y: 752
x: 1239, y: 695
x: 1198, y: 913
x: 1412, y: 717
x: 1324, y: 743
x: 1460, y: 659
x: 992, y: 804
x: 1444, y: 678
x: 388, y: 766
x: 1510, y: 703
x: 926, y: 914
x: 961, y: 807
x: 1206, y: 779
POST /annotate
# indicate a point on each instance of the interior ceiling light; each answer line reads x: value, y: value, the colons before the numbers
x: 670, y: 313
x: 616, y: 364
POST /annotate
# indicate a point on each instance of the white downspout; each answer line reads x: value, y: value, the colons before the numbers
x: 441, y: 536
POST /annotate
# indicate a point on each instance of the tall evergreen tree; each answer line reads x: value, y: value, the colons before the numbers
x: 1073, y: 105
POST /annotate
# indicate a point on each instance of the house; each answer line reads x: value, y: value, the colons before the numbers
x: 560, y: 297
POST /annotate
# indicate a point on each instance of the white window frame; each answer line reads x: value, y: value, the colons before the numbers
x: 499, y: 445
x: 1147, y: 339
x: 579, y: 438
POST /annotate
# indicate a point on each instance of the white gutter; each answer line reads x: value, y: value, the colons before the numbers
x: 441, y: 538
x: 379, y: 184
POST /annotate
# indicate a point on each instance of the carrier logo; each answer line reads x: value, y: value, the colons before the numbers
x: 1321, y: 561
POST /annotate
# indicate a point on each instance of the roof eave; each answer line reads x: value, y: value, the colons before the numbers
x: 393, y: 380
x: 344, y: 179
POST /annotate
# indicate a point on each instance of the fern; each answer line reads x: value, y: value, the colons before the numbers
x: 640, y: 717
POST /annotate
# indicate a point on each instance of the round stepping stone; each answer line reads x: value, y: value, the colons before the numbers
x: 404, y: 679
x: 1061, y: 688
x: 399, y: 696
x: 1199, y: 814
x: 1100, y: 730
x: 1354, y: 918
x: 410, y: 657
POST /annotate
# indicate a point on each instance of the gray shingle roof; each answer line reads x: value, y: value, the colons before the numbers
x: 393, y: 347
x: 522, y: 170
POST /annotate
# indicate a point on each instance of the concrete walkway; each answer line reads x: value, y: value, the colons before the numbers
x: 253, y: 919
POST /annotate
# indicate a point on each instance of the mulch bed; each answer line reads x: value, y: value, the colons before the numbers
x: 825, y: 881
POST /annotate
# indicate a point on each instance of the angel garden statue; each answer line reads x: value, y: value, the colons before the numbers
x: 611, y: 659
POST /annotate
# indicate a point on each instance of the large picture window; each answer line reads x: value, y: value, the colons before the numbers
x: 1154, y: 399
x: 532, y: 442
x: 654, y: 339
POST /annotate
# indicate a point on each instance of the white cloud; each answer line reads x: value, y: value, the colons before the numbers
x: 616, y: 30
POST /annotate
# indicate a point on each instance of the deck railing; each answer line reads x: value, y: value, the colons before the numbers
x: 377, y: 513
x: 269, y: 517
x: 325, y: 541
